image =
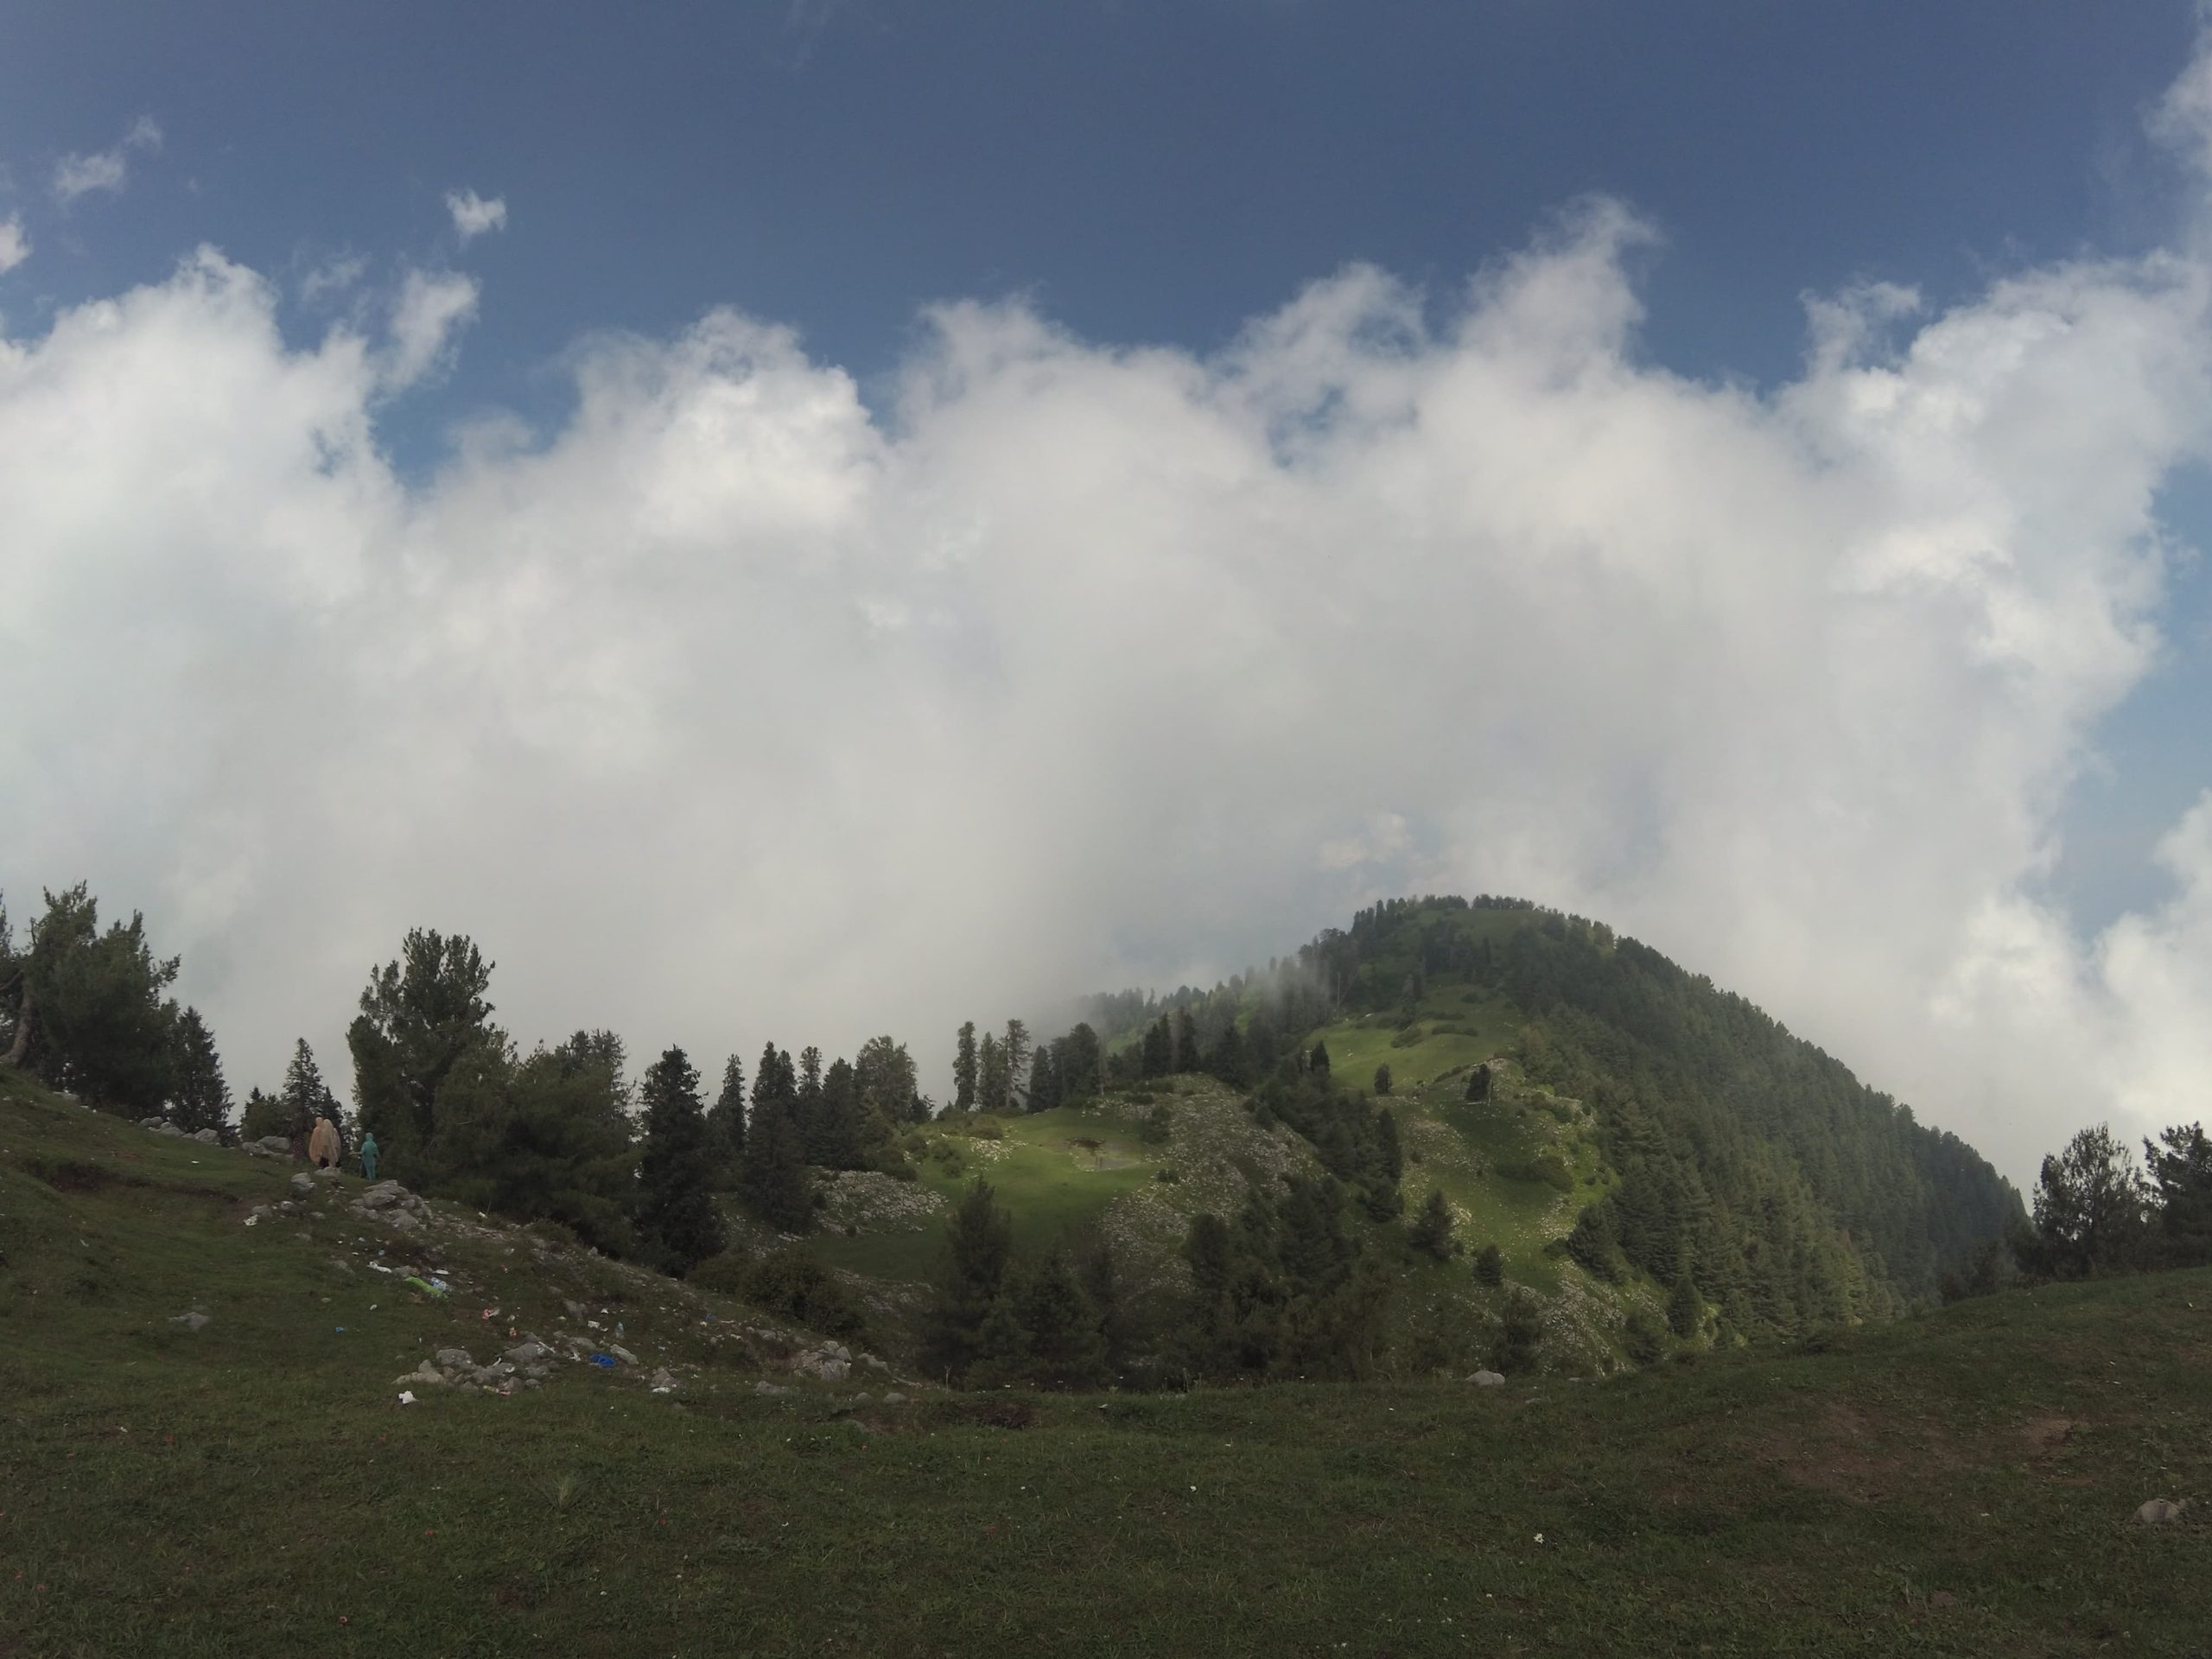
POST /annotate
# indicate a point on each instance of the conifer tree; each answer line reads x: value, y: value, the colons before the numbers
x: 306, y: 1096
x: 676, y: 1211
x: 1432, y: 1228
x: 1044, y: 1082
x: 1685, y: 1308
x: 726, y: 1126
x: 979, y: 1241
x: 963, y: 1069
x: 199, y: 1098
x: 1082, y: 1071
x: 1490, y: 1266
x: 991, y: 1077
x: 1158, y: 1049
x: 774, y: 1169
x: 1383, y: 1079
x: 1014, y: 1049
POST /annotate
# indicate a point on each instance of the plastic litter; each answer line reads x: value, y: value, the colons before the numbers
x: 605, y: 1362
x: 428, y: 1288
x: 407, y: 1396
x: 377, y: 1266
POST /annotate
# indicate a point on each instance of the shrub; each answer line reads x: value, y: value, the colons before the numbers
x: 791, y: 1282
x: 1410, y: 1037
x: 1159, y: 1123
x: 1490, y: 1266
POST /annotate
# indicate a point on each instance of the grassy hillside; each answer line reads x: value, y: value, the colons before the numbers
x: 1960, y: 1483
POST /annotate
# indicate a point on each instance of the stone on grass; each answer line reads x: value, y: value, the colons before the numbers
x: 207, y: 1137
x: 191, y: 1321
x: 1487, y: 1380
x: 304, y: 1185
x: 2159, y: 1510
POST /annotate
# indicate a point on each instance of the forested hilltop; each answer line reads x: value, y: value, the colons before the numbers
x: 1459, y: 1133
x: 1791, y: 1193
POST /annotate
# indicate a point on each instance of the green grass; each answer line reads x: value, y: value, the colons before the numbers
x: 1960, y: 1484
x: 1046, y: 1181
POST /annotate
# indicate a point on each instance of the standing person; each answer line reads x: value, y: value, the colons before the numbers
x: 323, y: 1144
x: 368, y: 1155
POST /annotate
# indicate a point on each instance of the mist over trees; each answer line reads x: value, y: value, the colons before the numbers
x: 1754, y: 1180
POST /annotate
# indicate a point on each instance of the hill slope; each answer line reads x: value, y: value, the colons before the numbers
x: 1958, y: 1483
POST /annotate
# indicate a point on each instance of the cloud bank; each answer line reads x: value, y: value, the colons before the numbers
x: 15, y: 244
x: 734, y: 708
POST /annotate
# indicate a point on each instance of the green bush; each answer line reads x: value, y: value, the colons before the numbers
x: 1158, y: 1125
x: 791, y: 1282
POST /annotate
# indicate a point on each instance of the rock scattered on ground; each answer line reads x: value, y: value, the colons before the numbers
x: 2160, y: 1510
x: 194, y: 1320
x: 1488, y: 1380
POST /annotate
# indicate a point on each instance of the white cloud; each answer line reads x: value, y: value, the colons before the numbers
x: 730, y: 710
x: 106, y: 169
x: 473, y: 214
x: 432, y: 308
x: 332, y: 276
x: 15, y: 244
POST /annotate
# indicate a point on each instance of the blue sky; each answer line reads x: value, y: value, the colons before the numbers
x: 1149, y: 172
x: 708, y: 561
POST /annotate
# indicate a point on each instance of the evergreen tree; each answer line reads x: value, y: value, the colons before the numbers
x: 1431, y: 1232
x: 676, y: 1209
x: 198, y: 1097
x: 1383, y: 1079
x: 1685, y: 1308
x: 2180, y: 1165
x: 1229, y: 1061
x: 1490, y: 1266
x: 1519, y: 1335
x: 306, y: 1097
x: 993, y: 1086
x: 2090, y: 1201
x: 1043, y: 1329
x: 91, y: 1015
x: 774, y: 1170
x: 1044, y: 1084
x: 265, y: 1116
x: 1319, y: 1059
x: 1082, y: 1071
x: 979, y: 1240
x: 1013, y: 1050
x: 601, y: 1052
x: 963, y: 1069
x: 839, y: 1136
x: 889, y: 1085
x: 1158, y: 1049
x: 726, y: 1126
x: 423, y: 1020
x: 1478, y: 1082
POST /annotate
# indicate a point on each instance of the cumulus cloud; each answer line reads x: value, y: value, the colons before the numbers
x: 472, y: 215
x: 432, y: 308
x: 15, y: 244
x: 735, y: 709
x: 107, y: 169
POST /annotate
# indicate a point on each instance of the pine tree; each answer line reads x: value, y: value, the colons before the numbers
x: 198, y: 1097
x: 774, y: 1171
x: 1014, y: 1051
x: 306, y: 1096
x: 1685, y: 1308
x: 992, y: 1087
x: 1519, y: 1335
x: 1082, y: 1071
x: 676, y: 1209
x: 1044, y: 1082
x: 1382, y: 1079
x: 726, y: 1126
x: 979, y: 1242
x: 963, y: 1069
x: 1158, y: 1049
x: 1432, y: 1229
x: 1490, y: 1266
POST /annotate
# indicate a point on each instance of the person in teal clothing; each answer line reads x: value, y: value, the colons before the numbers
x: 369, y: 1156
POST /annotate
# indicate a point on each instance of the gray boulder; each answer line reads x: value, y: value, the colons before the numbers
x: 209, y: 1137
x: 193, y: 1321
x: 621, y: 1353
x: 527, y: 1353
x: 303, y: 1185
x: 2161, y: 1510
x: 275, y: 1144
x: 1487, y: 1380
x: 454, y: 1359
